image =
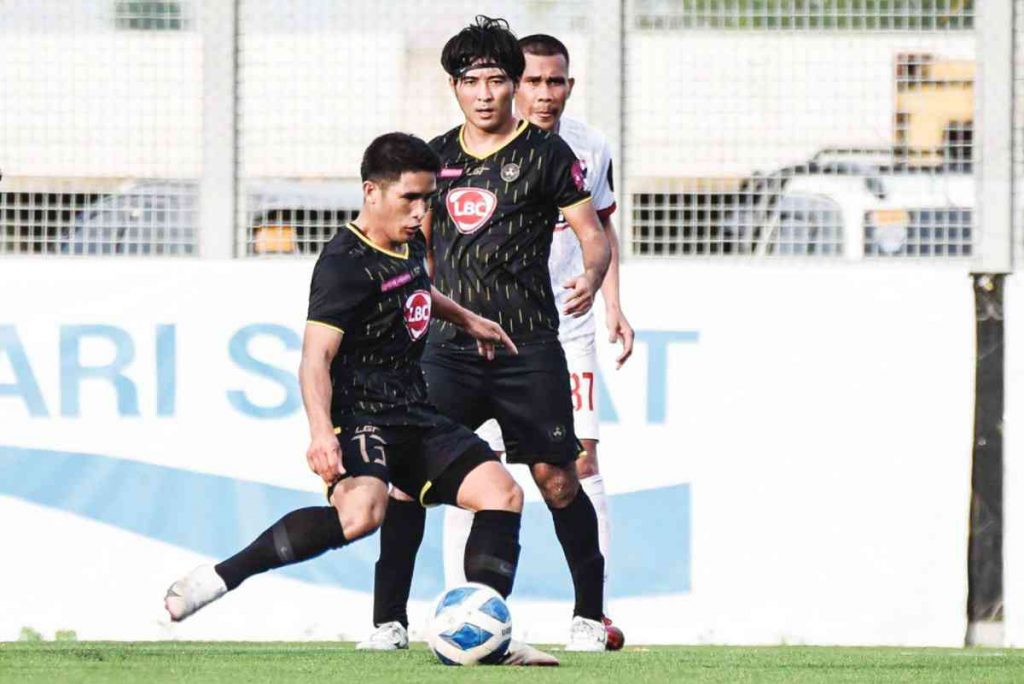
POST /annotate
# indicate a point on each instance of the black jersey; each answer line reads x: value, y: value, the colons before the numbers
x: 380, y: 301
x: 491, y: 230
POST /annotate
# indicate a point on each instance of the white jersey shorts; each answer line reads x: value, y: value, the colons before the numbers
x: 581, y: 357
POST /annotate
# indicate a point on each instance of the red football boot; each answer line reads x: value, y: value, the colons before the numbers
x: 616, y: 639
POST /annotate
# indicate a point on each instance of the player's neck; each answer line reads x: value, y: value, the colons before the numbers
x: 553, y: 129
x: 377, y: 236
x: 481, y: 143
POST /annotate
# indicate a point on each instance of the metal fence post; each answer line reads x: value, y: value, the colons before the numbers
x: 993, y: 121
x: 217, y: 187
x: 607, y: 90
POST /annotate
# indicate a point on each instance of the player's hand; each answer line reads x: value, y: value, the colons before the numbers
x: 324, y: 457
x: 488, y: 335
x: 582, y: 297
x: 620, y: 329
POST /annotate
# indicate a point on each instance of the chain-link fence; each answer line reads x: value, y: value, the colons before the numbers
x: 830, y: 129
x: 835, y: 129
x: 100, y: 127
x: 319, y: 80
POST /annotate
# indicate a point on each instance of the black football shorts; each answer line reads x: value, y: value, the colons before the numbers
x: 528, y: 394
x: 426, y: 460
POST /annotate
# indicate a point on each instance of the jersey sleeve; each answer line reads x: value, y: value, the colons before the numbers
x: 602, y: 188
x: 563, y: 175
x: 336, y: 293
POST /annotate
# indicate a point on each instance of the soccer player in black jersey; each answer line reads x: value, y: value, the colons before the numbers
x: 370, y: 422
x: 501, y: 186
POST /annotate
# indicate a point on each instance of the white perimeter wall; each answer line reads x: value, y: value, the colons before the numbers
x: 799, y: 456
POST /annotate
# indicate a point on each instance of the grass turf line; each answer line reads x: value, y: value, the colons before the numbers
x: 233, y: 663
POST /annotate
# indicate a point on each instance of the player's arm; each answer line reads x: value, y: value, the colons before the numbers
x: 320, y: 344
x: 336, y: 293
x: 596, y: 255
x: 618, y: 327
x: 486, y: 332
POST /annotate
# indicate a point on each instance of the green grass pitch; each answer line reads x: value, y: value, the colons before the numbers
x: 320, y: 663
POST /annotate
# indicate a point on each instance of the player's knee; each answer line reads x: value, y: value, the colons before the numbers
x: 362, y: 520
x: 557, y: 485
x: 490, y: 487
x: 513, y: 497
x: 360, y: 524
x: 503, y: 499
x: 504, y: 495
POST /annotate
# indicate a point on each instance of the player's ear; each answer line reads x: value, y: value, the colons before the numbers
x: 572, y: 84
x: 370, y: 192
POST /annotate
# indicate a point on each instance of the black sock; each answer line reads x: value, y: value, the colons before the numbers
x: 576, y: 527
x: 298, y: 536
x: 492, y: 550
x: 400, y: 538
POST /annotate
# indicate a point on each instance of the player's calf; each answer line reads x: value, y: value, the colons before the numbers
x: 400, y: 537
x: 492, y: 550
x: 296, y: 537
x: 300, y: 535
x: 576, y: 528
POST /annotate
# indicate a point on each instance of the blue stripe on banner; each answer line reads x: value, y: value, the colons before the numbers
x: 216, y: 516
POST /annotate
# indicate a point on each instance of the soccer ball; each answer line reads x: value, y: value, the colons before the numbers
x: 471, y: 624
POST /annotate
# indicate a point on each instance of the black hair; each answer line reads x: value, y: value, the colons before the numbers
x: 487, y: 42
x: 543, y: 45
x: 391, y: 154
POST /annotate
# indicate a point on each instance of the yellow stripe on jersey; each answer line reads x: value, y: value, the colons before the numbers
x: 576, y: 204
x: 326, y: 325
x: 359, y: 234
x: 462, y: 141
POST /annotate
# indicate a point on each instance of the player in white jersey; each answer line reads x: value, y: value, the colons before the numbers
x: 544, y: 89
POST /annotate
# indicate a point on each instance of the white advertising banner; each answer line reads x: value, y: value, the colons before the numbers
x: 787, y: 453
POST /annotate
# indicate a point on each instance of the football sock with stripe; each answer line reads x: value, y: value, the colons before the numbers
x: 576, y: 528
x: 400, y: 539
x: 492, y: 550
x: 298, y: 536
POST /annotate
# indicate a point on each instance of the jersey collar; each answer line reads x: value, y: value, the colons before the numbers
x: 359, y: 234
x: 462, y: 141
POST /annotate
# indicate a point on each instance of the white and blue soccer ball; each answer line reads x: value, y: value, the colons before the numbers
x: 471, y: 624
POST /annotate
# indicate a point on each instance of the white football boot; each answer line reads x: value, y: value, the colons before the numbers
x: 391, y: 636
x: 193, y: 591
x: 520, y: 653
x: 586, y: 635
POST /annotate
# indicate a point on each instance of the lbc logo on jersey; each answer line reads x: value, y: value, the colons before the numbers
x: 417, y: 313
x: 470, y: 208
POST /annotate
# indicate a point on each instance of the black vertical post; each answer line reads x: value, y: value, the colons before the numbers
x: 985, y: 553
